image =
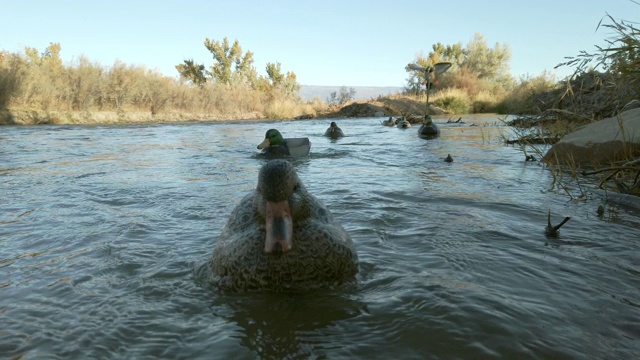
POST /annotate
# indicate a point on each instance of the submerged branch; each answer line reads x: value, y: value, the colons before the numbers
x: 553, y: 230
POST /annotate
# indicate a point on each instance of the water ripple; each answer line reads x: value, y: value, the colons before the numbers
x: 105, y: 232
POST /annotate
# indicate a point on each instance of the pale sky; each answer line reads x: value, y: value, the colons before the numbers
x: 331, y: 42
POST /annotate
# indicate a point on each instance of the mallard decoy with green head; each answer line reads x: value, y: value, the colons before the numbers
x: 274, y: 145
x: 428, y: 129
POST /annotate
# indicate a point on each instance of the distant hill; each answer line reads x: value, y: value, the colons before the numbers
x: 308, y: 92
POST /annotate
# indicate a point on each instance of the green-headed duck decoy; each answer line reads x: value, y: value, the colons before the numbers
x: 274, y: 145
x: 428, y: 129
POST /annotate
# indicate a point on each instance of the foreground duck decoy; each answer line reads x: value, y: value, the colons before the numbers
x: 274, y: 145
x: 428, y: 129
x: 282, y: 238
x: 334, y: 131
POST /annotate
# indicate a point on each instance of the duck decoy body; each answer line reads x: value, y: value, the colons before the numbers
x: 282, y: 238
x: 428, y: 129
x: 403, y: 123
x: 274, y: 145
x: 334, y: 131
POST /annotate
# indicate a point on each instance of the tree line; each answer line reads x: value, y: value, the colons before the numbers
x: 39, y: 80
x: 479, y: 80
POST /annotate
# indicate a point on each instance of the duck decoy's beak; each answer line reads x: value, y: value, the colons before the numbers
x: 265, y: 143
x: 279, y: 228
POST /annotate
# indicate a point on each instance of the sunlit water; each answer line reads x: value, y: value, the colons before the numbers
x: 103, y: 230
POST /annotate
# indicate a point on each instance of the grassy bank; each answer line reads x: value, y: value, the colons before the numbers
x: 37, y: 88
x: 26, y: 117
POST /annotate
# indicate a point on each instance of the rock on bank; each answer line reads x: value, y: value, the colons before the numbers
x: 600, y: 143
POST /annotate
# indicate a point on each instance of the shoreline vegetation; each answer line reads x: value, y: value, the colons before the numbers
x: 34, y: 117
x: 36, y: 87
x: 391, y: 105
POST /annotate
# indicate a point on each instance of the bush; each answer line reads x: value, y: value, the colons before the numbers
x: 453, y: 100
x: 525, y: 97
x: 10, y: 78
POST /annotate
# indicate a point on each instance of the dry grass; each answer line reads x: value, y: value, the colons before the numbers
x: 34, y: 81
x: 41, y: 83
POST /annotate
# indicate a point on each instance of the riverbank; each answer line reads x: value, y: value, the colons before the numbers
x: 394, y: 105
x: 35, y: 117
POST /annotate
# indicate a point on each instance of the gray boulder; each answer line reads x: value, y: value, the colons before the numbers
x: 600, y: 143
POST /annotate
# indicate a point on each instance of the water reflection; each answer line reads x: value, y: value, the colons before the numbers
x: 276, y: 326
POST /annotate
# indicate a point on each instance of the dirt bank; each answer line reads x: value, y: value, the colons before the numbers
x: 381, y: 107
x: 32, y: 117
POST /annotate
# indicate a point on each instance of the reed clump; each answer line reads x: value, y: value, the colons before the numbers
x: 605, y: 83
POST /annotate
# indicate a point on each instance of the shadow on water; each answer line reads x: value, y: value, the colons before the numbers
x: 276, y: 326
x: 283, y: 325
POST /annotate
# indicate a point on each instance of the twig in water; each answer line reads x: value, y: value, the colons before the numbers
x: 553, y: 230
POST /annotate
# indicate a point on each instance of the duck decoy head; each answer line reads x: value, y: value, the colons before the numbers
x: 271, y: 138
x: 277, y: 183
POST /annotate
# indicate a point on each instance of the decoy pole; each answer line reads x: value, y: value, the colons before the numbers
x: 427, y: 82
x: 429, y: 71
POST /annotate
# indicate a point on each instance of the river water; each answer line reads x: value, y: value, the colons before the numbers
x: 104, y: 231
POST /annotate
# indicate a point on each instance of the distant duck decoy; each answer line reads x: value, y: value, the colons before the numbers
x: 403, y: 123
x: 389, y: 122
x: 282, y: 238
x: 448, y: 158
x: 428, y: 129
x: 274, y: 145
x: 334, y: 131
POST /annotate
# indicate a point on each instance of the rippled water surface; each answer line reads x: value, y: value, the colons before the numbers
x: 103, y: 230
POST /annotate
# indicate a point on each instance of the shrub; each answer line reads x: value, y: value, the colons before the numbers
x: 10, y: 77
x: 454, y: 100
x: 525, y: 97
